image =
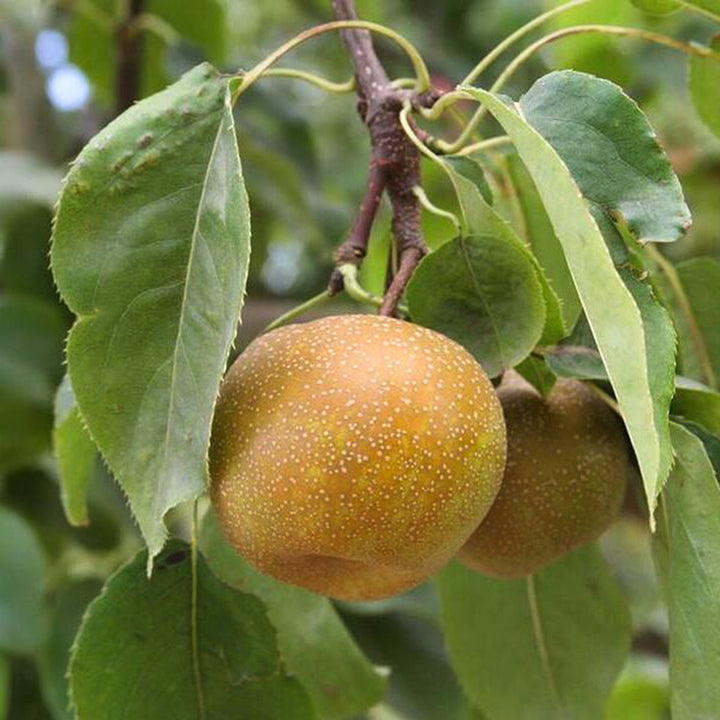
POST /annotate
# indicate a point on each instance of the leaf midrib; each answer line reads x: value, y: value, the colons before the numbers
x: 178, y: 338
x: 539, y: 636
x: 455, y: 178
x: 483, y: 299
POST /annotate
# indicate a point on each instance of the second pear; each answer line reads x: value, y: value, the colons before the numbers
x: 568, y: 465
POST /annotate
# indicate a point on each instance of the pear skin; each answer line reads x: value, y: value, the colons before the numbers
x: 354, y: 455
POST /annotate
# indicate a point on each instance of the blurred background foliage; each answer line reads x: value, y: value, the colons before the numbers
x: 305, y: 157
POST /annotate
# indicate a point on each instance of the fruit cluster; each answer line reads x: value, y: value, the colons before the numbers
x: 357, y: 454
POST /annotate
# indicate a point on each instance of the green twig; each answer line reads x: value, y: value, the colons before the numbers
x: 435, y: 210
x: 525, y: 55
x: 353, y: 288
x: 446, y: 101
x: 485, y: 145
x: 321, y: 82
x: 290, y: 315
x: 404, y: 118
x: 403, y: 83
x: 422, y: 82
x: 451, y: 98
x: 637, y: 33
x: 519, y: 34
x: 358, y: 293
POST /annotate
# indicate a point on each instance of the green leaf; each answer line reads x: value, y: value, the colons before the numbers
x: 150, y: 250
x: 202, y: 23
x: 558, y: 638
x: 625, y: 352
x: 480, y: 219
x: 710, y: 441
x: 657, y: 7
x: 313, y: 641
x: 544, y: 242
x: 66, y: 613
x: 536, y: 371
x: 472, y: 170
x: 31, y: 338
x: 660, y: 343
x: 22, y: 623
x: 576, y: 362
x: 700, y: 278
x: 135, y: 656
x: 24, y: 268
x: 483, y: 293
x: 660, y: 340
x: 696, y: 402
x: 612, y: 153
x: 75, y: 452
x: 705, y: 87
x: 412, y: 648
x: 91, y: 37
x: 687, y: 552
x: 184, y: 29
x: 694, y: 343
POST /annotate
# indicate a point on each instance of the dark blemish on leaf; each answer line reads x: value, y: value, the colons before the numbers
x: 175, y: 558
x: 148, y: 160
x: 78, y: 188
x: 144, y: 140
x: 122, y: 160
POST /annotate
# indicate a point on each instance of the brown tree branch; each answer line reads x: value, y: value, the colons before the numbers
x: 129, y: 58
x: 394, y: 163
x: 354, y: 249
x: 370, y: 75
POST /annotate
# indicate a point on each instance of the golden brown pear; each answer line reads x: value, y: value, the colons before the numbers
x: 354, y: 455
x: 567, y: 467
